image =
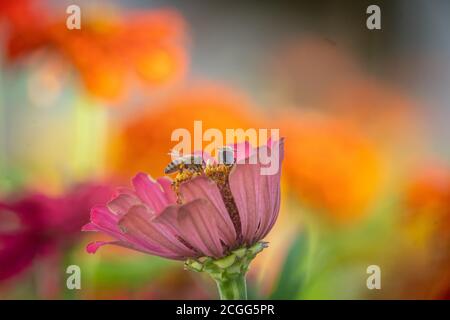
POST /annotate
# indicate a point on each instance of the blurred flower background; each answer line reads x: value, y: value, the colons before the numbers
x: 366, y: 178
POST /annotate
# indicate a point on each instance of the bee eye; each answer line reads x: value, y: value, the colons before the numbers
x: 226, y: 155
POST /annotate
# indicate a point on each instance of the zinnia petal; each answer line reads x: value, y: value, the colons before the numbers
x: 152, y: 193
x: 138, y: 223
x: 107, y: 222
x: 89, y: 227
x: 166, y: 185
x: 196, y: 226
x: 203, y: 188
x: 122, y: 203
x: 242, y: 151
x: 257, y: 196
x: 93, y: 246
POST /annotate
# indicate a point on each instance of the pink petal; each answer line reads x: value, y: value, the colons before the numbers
x: 93, y: 246
x: 89, y: 227
x: 123, y: 190
x: 274, y: 184
x: 101, y: 216
x: 195, y: 226
x: 105, y: 221
x: 242, y: 151
x: 203, y: 188
x: 166, y: 184
x: 245, y: 188
x: 122, y: 203
x: 151, y: 192
x: 138, y: 224
x: 257, y: 196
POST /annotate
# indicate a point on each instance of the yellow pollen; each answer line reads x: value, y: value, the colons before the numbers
x: 181, y: 177
x: 218, y: 173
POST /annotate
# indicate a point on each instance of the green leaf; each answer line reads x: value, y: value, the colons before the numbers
x: 293, y: 273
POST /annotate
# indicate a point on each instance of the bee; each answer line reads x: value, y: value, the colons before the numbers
x: 226, y: 155
x: 193, y: 163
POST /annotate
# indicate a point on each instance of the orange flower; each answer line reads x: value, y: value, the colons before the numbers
x: 109, y: 50
x: 427, y: 226
x: 24, y: 25
x: 330, y: 165
x: 428, y: 195
x: 379, y: 110
x: 143, y: 143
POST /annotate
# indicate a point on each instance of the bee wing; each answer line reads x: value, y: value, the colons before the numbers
x: 174, y: 153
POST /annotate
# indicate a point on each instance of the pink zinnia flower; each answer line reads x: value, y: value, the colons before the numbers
x: 36, y: 225
x: 206, y: 214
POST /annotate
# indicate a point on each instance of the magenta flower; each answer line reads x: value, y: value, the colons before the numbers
x: 35, y: 225
x: 216, y: 213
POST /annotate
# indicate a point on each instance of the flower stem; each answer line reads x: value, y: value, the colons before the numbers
x: 228, y: 272
x: 234, y: 288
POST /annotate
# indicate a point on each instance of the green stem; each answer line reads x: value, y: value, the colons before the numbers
x: 228, y: 272
x: 234, y: 288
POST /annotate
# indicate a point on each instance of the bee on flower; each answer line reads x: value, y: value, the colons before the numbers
x: 213, y: 218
